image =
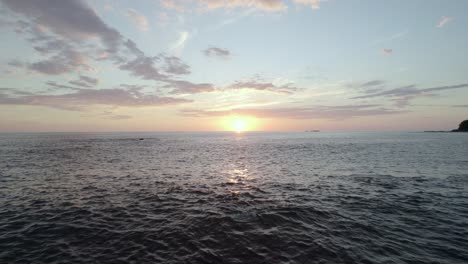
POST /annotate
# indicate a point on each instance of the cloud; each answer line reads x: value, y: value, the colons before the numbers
x: 59, y: 55
x: 147, y: 68
x: 144, y: 67
x: 173, y: 4
x: 65, y: 61
x: 314, y: 4
x: 315, y: 112
x: 51, y: 67
x: 119, y: 117
x: 108, y: 7
x: 264, y: 86
x: 444, y: 21
x: 110, y: 115
x: 185, y: 87
x: 372, y: 83
x: 179, y: 45
x: 266, y: 5
x: 139, y: 20
x: 403, y: 95
x: 133, y: 48
x: 368, y: 86
x: 85, y: 82
x: 16, y: 63
x: 215, y: 52
x: 387, y: 51
x: 175, y: 65
x: 72, y: 20
x: 263, y: 5
x: 59, y: 86
x: 390, y: 38
x: 80, y: 99
x: 63, y: 43
x: 163, y: 19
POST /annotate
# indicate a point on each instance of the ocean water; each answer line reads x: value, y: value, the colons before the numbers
x: 234, y: 198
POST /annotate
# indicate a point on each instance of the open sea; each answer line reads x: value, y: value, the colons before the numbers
x: 396, y: 197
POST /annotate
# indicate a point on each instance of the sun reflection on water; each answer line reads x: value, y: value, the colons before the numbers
x: 238, y: 180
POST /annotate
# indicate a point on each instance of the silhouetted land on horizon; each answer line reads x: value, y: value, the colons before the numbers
x: 463, y: 127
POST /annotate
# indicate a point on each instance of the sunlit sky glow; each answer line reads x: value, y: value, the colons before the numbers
x: 211, y: 65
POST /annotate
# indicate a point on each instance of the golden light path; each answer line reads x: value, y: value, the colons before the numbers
x: 239, y: 124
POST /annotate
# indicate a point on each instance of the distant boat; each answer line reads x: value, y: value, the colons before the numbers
x: 312, y: 131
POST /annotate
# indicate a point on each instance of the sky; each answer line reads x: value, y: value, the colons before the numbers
x: 215, y: 65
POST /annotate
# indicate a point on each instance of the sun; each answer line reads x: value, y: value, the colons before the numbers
x: 239, y: 124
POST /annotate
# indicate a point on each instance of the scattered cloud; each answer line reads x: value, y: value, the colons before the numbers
x: 373, y: 83
x: 288, y: 88
x: 139, y: 20
x: 444, y: 21
x: 315, y: 112
x: 263, y: 5
x: 175, y: 65
x: 81, y: 99
x: 368, y: 86
x: 215, y: 52
x: 118, y: 117
x: 108, y: 7
x: 173, y: 4
x: 71, y: 48
x: 16, y: 63
x: 403, y: 95
x: 185, y: 87
x: 148, y: 69
x: 387, y: 51
x: 163, y: 19
x: 72, y: 20
x: 66, y: 61
x: 85, y: 82
x: 112, y: 116
x: 314, y: 4
x: 56, y: 85
x: 144, y: 67
x: 179, y: 45
x: 390, y: 38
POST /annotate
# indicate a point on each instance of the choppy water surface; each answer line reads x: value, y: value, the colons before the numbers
x: 234, y: 198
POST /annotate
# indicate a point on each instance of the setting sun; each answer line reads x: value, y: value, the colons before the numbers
x: 239, y: 123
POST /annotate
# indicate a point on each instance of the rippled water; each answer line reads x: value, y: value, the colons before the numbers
x: 234, y: 198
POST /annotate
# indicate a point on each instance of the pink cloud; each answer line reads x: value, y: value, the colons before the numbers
x: 443, y: 21
x: 140, y: 21
x: 264, y: 5
x: 387, y: 51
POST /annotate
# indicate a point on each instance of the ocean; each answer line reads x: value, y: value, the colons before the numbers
x: 341, y: 197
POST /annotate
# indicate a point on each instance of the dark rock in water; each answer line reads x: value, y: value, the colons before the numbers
x: 463, y: 127
x: 142, y: 139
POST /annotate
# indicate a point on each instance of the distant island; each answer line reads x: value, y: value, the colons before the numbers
x: 463, y: 127
x: 312, y: 131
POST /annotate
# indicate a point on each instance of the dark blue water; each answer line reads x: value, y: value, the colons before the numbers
x: 234, y: 198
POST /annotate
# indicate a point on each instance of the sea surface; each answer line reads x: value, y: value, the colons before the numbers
x: 397, y: 197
